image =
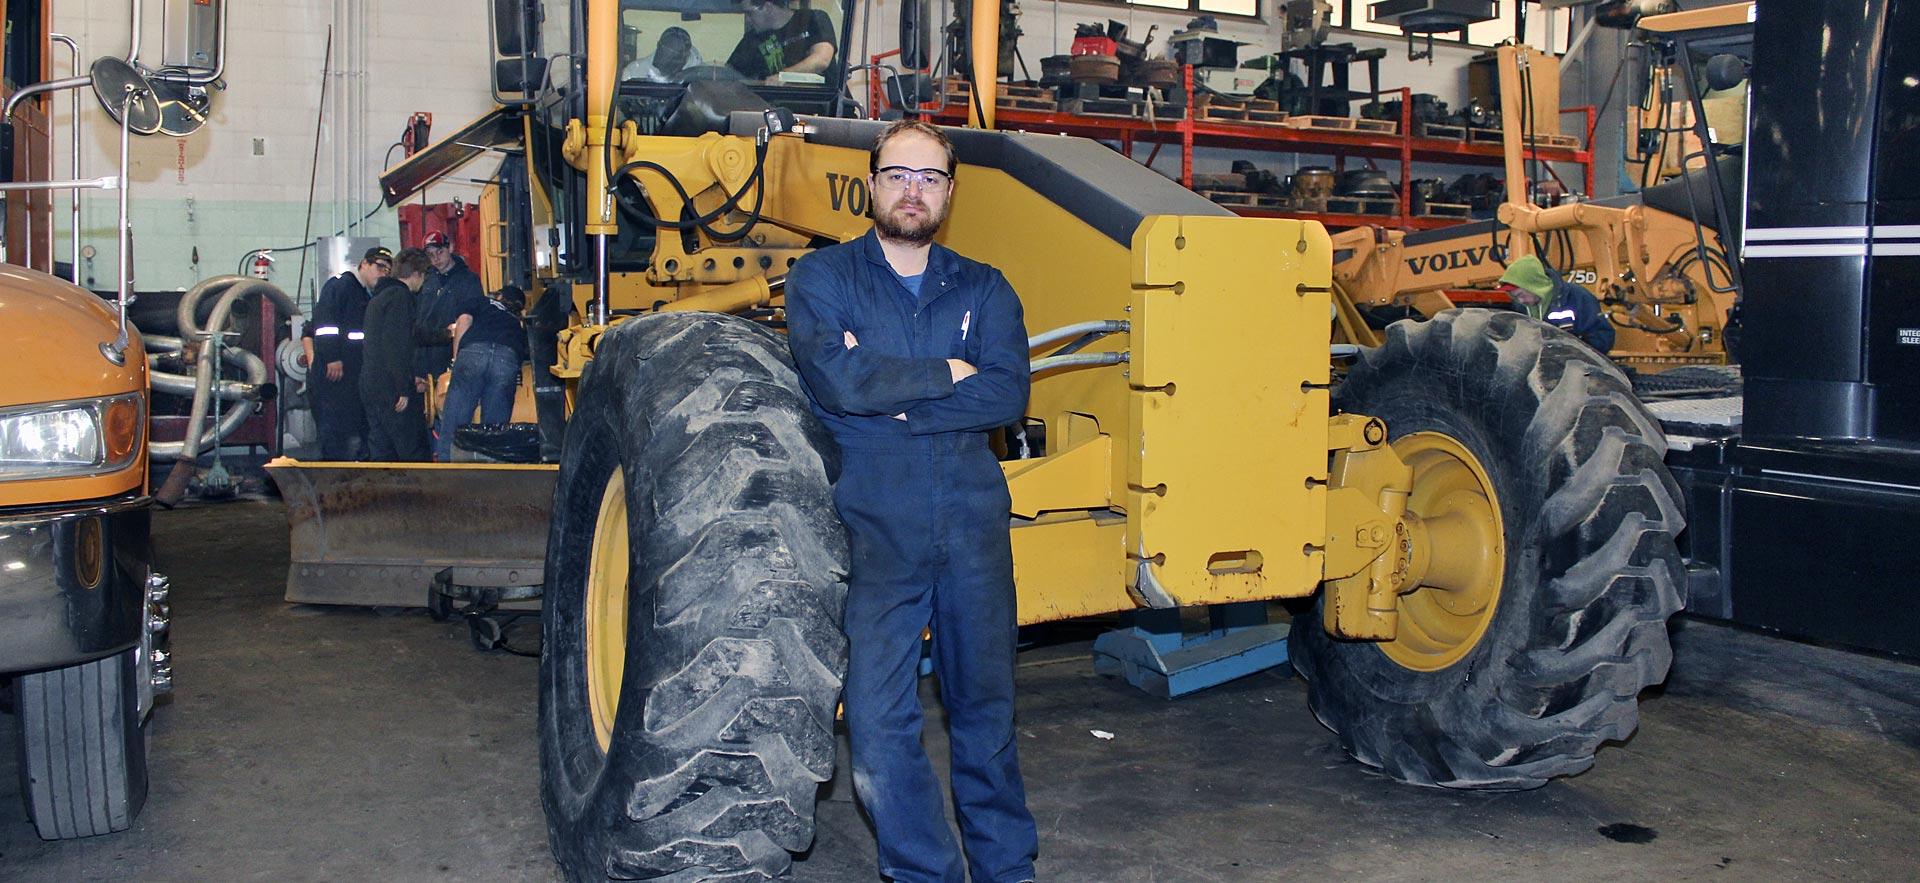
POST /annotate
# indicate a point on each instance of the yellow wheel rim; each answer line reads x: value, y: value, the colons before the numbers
x: 606, y: 619
x: 1460, y: 554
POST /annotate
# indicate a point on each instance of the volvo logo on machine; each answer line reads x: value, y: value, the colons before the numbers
x: 847, y: 193
x: 1458, y: 259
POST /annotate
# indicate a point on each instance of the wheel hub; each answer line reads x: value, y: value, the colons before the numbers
x: 1455, y: 554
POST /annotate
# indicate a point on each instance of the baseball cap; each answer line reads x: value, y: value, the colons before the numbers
x: 436, y: 239
x: 377, y: 253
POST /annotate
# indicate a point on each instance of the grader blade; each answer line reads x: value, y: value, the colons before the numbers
x: 376, y: 533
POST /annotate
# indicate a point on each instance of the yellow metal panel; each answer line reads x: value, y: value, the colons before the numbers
x: 1229, y: 448
x: 1069, y: 273
x: 1072, y: 479
x: 1070, y: 565
x: 1728, y: 15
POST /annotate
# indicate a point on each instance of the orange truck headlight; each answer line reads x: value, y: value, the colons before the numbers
x: 60, y: 439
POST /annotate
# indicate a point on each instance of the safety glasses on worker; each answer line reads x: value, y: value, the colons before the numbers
x: 901, y: 177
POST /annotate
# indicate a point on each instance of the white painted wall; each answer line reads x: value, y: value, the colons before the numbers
x: 211, y: 191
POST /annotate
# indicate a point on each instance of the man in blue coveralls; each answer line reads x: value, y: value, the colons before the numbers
x: 910, y: 355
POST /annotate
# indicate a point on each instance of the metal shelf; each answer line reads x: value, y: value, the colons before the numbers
x: 1186, y: 134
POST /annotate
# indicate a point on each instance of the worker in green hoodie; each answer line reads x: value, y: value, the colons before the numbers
x: 1541, y: 293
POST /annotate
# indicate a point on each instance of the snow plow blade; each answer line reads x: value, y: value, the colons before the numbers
x: 374, y: 534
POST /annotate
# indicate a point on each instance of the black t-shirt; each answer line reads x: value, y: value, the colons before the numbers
x: 761, y: 55
x: 492, y: 323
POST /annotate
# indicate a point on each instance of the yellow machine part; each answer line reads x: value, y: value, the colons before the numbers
x: 1228, y: 454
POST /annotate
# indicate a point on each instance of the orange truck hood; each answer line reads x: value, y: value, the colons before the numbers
x: 50, y: 336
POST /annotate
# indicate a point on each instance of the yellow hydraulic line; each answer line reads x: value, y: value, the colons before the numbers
x: 986, y: 63
x: 746, y: 294
x: 603, y: 59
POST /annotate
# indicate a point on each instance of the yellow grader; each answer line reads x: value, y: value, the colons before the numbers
x: 1476, y: 514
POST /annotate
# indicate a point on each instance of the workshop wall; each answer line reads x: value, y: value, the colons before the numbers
x: 241, y: 182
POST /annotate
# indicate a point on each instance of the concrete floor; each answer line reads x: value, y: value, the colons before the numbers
x: 325, y: 744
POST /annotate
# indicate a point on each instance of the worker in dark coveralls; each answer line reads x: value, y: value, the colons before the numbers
x: 338, y: 338
x: 1544, y: 295
x: 396, y: 418
x: 450, y: 285
x: 910, y: 355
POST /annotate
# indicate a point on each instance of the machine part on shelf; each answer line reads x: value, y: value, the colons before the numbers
x: 1160, y: 73
x: 1311, y: 182
x: 1056, y: 70
x: 1102, y: 69
x: 1424, y: 18
x: 1422, y: 192
x: 1365, y: 183
x: 1426, y: 108
x: 1306, y: 23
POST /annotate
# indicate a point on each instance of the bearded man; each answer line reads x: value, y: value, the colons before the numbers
x: 911, y: 355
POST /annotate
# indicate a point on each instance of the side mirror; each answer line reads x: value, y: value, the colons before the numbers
x: 914, y: 34
x: 127, y: 95
x: 524, y: 74
x: 510, y: 19
x: 514, y: 26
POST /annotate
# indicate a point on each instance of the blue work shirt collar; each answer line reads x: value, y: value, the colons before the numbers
x: 942, y: 263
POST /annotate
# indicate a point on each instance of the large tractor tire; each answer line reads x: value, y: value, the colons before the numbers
x: 83, y: 749
x: 1516, y: 672
x: 694, y: 588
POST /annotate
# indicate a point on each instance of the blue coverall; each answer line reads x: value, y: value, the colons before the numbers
x: 926, y: 507
x: 1576, y: 310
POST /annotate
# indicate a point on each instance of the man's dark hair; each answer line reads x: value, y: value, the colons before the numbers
x: 511, y: 297
x: 900, y: 127
x: 411, y: 262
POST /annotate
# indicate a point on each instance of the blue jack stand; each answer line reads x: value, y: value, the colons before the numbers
x: 1155, y: 656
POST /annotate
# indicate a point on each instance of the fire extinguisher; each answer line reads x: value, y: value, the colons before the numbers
x: 260, y: 265
x: 415, y: 138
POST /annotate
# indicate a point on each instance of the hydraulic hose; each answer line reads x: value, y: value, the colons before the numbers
x: 246, y: 392
x: 191, y: 445
x: 1068, y: 332
x: 1077, y: 360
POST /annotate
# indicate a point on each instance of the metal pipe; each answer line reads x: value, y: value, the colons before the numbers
x: 104, y: 182
x: 602, y: 295
x: 225, y: 390
x: 40, y: 88
x: 191, y: 443
x: 73, y: 222
x: 133, y: 49
x: 219, y: 55
x: 116, y: 352
x: 1068, y: 332
x: 1077, y: 360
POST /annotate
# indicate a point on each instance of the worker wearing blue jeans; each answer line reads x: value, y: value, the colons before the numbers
x: 910, y: 355
x: 490, y: 344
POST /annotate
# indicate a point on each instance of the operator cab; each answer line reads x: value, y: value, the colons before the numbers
x: 786, y: 53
